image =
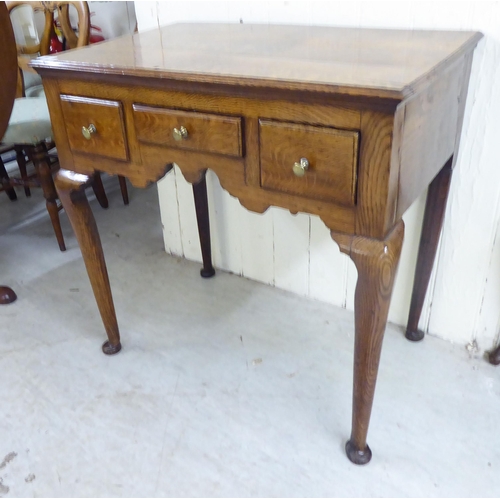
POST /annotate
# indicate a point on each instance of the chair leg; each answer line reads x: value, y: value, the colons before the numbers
x: 99, y: 192
x: 43, y: 170
x: 4, y: 178
x: 123, y: 187
x: 21, y: 162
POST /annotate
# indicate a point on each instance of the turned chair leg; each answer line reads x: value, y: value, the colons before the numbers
x: 44, y: 173
x: 201, y: 205
x: 21, y: 163
x: 376, y: 262
x: 435, y: 207
x: 5, y: 180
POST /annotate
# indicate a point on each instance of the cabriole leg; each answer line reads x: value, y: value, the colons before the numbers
x: 435, y: 207
x: 71, y: 189
x: 376, y: 262
x: 123, y: 189
x: 99, y: 191
x: 201, y: 204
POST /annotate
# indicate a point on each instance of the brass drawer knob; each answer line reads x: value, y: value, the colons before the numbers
x: 88, y: 131
x: 180, y: 133
x: 299, y: 168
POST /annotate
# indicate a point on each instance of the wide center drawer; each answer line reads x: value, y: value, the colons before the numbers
x: 329, y: 161
x: 188, y: 130
x: 95, y: 126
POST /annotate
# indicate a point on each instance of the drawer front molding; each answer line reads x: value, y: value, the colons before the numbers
x: 329, y: 161
x: 95, y: 126
x: 190, y: 130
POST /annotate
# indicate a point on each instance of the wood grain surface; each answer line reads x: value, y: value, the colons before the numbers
x: 377, y: 263
x: 437, y: 196
x: 109, y: 140
x: 339, y: 60
x: 332, y: 155
x: 206, y: 132
x: 256, y: 99
x: 71, y: 190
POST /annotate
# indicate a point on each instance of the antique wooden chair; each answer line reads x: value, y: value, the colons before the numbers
x: 29, y: 131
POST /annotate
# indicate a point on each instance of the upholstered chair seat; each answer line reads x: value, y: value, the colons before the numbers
x: 32, y: 84
x: 29, y: 122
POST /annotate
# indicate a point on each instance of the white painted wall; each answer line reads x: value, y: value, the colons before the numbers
x: 296, y: 253
x: 114, y: 18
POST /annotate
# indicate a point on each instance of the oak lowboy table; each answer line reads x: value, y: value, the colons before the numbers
x: 351, y: 125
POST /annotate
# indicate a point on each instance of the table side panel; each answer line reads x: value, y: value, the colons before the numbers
x: 432, y: 120
x: 52, y: 93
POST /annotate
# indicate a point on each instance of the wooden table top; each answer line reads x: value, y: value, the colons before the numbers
x: 368, y: 62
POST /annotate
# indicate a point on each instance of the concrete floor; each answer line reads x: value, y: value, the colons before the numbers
x: 224, y: 387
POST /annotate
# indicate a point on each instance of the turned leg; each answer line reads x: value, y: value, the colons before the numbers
x: 201, y: 204
x: 7, y: 295
x: 5, y: 180
x: 376, y: 262
x: 99, y: 192
x: 435, y: 206
x: 71, y: 189
x: 21, y: 163
x: 123, y: 188
x: 44, y: 174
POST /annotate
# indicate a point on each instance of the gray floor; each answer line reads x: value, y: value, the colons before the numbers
x: 224, y: 387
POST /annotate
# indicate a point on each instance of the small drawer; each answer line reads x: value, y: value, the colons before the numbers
x: 106, y: 138
x: 188, y: 130
x: 330, y: 170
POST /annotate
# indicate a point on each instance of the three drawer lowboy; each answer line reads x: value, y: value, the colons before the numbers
x: 351, y: 125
